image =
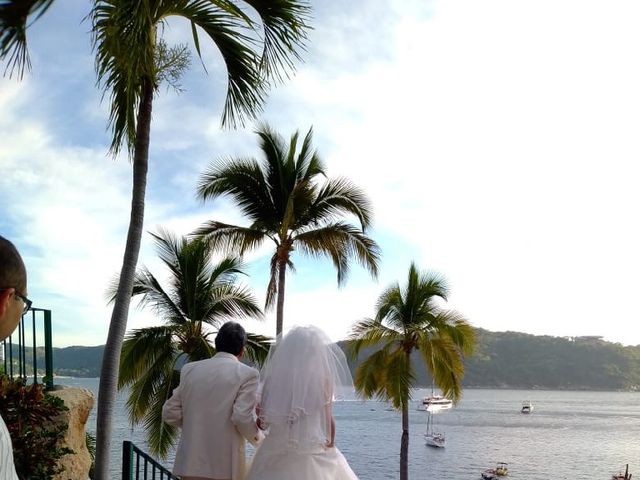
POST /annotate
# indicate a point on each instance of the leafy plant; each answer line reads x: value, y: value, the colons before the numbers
x: 90, y: 440
x: 30, y: 416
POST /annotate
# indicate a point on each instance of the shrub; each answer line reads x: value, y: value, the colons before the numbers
x: 29, y: 414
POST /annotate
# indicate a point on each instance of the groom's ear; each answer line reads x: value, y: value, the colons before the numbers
x: 241, y: 353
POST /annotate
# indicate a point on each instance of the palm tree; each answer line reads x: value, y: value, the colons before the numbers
x: 131, y: 61
x: 198, y: 298
x: 409, y: 319
x: 284, y: 202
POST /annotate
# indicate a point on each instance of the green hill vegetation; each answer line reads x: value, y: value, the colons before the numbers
x: 502, y: 360
x: 520, y: 360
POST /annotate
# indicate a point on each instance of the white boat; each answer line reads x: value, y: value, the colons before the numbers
x: 432, y: 438
x: 527, y: 407
x: 435, y: 403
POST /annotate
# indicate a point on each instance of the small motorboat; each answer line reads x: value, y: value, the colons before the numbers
x: 622, y: 476
x: 527, y: 407
x: 489, y: 474
x: 501, y: 470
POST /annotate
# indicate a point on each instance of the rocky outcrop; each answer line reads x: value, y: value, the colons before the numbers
x: 79, y: 401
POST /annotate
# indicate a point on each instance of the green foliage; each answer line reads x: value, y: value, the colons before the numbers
x: 30, y: 417
x: 408, y: 319
x: 199, y: 296
x: 90, y: 440
x: 519, y: 360
x: 283, y: 198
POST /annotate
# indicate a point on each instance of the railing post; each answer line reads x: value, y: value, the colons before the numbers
x: 127, y: 460
x: 35, y: 347
x: 48, y: 350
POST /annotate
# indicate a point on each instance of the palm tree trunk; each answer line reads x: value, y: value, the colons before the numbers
x: 118, y: 325
x: 404, y: 442
x: 280, y: 304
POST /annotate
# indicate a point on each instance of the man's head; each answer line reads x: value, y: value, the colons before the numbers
x: 13, y: 288
x: 231, y: 339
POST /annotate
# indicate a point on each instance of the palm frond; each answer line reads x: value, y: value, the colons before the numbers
x: 285, y: 31
x: 14, y: 15
x: 201, y: 347
x: 243, y: 181
x: 143, y: 390
x: 390, y: 307
x: 124, y: 40
x: 272, y: 287
x: 169, y: 246
x: 339, y: 241
x: 257, y: 349
x: 445, y: 365
x: 141, y: 349
x: 230, y: 30
x: 280, y: 174
x: 154, y: 295
x: 308, y: 163
x: 369, y: 332
x: 411, y: 317
x: 231, y: 238
x: 226, y: 270
x: 371, y: 376
x: 399, y: 378
x: 161, y: 436
x: 339, y: 197
x: 229, y: 301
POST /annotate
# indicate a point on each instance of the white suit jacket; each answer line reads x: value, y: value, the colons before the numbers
x: 7, y: 468
x: 214, y: 404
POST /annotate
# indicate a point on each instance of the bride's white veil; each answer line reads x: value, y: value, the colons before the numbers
x: 303, y: 374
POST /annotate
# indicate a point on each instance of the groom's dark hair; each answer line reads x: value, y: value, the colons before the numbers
x: 231, y: 338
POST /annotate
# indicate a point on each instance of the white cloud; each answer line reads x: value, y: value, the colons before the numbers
x: 497, y: 140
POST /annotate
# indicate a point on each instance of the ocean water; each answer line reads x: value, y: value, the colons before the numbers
x: 569, y: 435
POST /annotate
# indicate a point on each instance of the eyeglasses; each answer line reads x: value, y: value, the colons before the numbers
x: 27, y: 303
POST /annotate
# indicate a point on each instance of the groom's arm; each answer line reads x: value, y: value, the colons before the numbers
x: 243, y: 416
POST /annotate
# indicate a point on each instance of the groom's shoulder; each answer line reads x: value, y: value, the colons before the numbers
x: 247, y: 370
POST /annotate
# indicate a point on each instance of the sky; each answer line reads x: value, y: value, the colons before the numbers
x: 497, y: 141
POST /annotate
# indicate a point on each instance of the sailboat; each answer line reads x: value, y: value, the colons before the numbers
x: 431, y: 437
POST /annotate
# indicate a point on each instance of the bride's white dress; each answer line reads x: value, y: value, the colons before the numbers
x: 303, y: 373
x: 280, y: 458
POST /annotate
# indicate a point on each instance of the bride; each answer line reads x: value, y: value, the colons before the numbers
x: 303, y: 374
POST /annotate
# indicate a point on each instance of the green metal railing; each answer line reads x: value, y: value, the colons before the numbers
x: 26, y: 337
x: 137, y: 465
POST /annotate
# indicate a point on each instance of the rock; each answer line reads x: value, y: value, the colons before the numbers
x: 79, y: 401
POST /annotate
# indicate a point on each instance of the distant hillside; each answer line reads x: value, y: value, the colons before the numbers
x: 520, y: 360
x: 70, y: 361
x: 502, y: 360
x: 78, y: 361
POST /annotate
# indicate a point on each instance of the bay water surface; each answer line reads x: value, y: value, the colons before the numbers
x: 570, y: 435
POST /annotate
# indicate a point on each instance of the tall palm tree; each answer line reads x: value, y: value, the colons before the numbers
x: 285, y: 203
x: 199, y: 296
x: 409, y: 319
x: 130, y: 56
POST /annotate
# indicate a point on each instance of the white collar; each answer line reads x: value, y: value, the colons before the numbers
x: 226, y: 355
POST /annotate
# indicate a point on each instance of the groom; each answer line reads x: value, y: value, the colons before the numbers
x: 215, y: 407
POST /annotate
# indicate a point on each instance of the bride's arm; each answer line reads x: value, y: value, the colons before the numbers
x: 332, y: 432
